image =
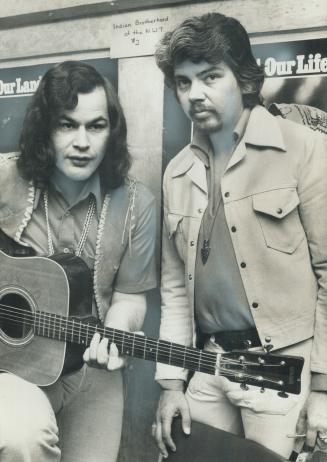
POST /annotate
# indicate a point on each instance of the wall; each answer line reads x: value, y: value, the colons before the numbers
x: 60, y: 29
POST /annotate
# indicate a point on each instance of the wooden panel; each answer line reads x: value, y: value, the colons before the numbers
x: 22, y: 13
x: 92, y: 33
x: 141, y: 95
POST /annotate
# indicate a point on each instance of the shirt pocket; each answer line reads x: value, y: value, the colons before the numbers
x: 277, y: 212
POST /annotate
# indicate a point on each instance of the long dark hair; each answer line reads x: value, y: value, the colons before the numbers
x: 213, y: 37
x: 58, y: 91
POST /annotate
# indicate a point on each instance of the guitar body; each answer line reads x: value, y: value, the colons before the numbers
x: 39, y: 284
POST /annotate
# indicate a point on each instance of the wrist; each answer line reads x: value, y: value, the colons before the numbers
x: 171, y: 384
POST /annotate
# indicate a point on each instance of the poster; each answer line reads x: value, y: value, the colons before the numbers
x: 295, y: 72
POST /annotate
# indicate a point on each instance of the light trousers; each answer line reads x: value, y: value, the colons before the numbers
x: 78, y: 419
x: 262, y: 417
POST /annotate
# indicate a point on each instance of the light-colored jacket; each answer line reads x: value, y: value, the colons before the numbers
x: 274, y: 191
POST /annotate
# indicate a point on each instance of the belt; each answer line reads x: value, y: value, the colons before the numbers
x: 236, y: 339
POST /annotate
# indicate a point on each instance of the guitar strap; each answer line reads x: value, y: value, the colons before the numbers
x: 12, y: 248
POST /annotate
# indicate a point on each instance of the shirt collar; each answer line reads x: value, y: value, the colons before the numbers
x: 201, y: 144
x: 257, y: 127
x: 92, y: 186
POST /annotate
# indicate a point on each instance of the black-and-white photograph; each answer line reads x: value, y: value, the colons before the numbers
x: 163, y: 231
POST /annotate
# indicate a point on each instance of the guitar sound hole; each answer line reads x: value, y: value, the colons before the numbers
x: 15, y: 316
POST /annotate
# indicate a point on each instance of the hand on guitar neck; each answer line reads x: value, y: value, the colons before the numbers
x: 120, y: 316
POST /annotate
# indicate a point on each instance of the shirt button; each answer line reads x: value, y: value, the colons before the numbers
x: 279, y: 211
x: 200, y: 210
x: 268, y: 339
x: 192, y: 243
x: 243, y: 264
x: 66, y: 250
x: 190, y: 277
x: 233, y: 228
x: 67, y: 214
x: 226, y: 194
x: 255, y: 305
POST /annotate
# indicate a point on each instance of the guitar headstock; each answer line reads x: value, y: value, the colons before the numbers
x: 277, y: 372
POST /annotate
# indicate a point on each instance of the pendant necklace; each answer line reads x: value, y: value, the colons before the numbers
x: 85, y: 230
x: 207, y: 227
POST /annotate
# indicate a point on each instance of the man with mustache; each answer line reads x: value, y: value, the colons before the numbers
x: 244, y: 259
x: 68, y: 191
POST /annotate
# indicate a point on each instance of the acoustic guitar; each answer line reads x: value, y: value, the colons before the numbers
x: 39, y: 330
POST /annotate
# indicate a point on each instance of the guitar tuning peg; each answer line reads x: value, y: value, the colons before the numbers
x: 282, y: 394
x: 268, y: 347
x: 244, y: 386
x: 247, y: 344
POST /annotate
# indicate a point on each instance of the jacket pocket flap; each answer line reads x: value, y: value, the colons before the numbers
x: 277, y: 203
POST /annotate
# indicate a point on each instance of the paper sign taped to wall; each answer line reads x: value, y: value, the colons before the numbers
x: 136, y: 34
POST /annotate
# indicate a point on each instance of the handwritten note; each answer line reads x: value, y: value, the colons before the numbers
x: 136, y: 34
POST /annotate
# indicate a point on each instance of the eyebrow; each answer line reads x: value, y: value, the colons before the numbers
x: 214, y: 67
x: 93, y: 121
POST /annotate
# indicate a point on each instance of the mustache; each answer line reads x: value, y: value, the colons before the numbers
x: 198, y: 107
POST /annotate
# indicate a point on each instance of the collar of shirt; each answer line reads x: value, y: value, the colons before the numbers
x: 257, y: 127
x: 201, y: 144
x: 92, y: 186
x: 215, y: 165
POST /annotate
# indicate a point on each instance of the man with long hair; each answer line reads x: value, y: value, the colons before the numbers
x: 244, y: 259
x: 68, y: 191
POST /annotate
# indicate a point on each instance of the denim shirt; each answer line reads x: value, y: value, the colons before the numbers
x: 274, y: 191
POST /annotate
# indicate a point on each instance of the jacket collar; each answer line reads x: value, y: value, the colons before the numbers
x: 262, y: 129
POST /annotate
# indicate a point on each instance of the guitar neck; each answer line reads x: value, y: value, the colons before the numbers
x: 78, y: 332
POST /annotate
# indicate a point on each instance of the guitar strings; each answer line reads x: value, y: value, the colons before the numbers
x: 86, y: 330
x: 117, y: 334
x: 124, y: 338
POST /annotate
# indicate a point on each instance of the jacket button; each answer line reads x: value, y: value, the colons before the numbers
x: 243, y: 264
x: 279, y: 211
x: 233, y: 229
x: 200, y: 210
x: 190, y: 277
x: 226, y: 194
x: 267, y: 339
x: 255, y: 305
x: 192, y: 243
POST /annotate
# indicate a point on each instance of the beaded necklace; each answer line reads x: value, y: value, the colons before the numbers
x: 85, y: 230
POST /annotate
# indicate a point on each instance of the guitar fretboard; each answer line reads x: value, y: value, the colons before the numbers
x: 73, y: 331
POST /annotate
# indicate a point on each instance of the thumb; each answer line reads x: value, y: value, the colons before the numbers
x: 186, y: 419
x: 301, y: 426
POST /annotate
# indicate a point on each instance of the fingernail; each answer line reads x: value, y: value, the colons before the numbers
x: 187, y: 431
